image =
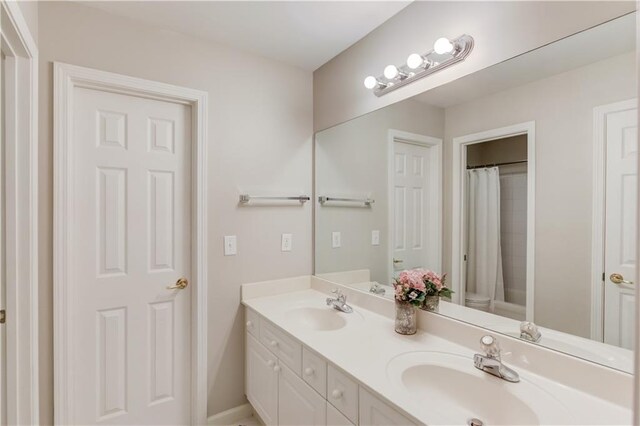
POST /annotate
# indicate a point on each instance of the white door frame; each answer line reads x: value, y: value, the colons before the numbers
x: 66, y: 78
x: 435, y: 189
x: 598, y: 215
x: 458, y: 190
x: 22, y: 216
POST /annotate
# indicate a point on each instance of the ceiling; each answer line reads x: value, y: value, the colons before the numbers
x: 610, y: 39
x: 305, y: 34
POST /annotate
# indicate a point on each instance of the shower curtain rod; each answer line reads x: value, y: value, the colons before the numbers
x: 496, y: 164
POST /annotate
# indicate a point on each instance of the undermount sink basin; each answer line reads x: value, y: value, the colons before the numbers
x: 316, y: 318
x: 450, y: 385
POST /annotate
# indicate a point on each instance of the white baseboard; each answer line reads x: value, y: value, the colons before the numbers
x: 231, y: 416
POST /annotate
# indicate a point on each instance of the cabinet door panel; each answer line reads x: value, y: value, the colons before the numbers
x: 375, y: 412
x: 335, y: 417
x: 298, y: 403
x: 262, y: 381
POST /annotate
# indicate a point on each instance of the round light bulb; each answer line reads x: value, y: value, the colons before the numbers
x: 442, y: 46
x: 370, y: 82
x: 415, y: 61
x: 390, y: 71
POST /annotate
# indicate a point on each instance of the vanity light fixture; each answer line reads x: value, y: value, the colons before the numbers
x: 442, y: 46
x: 445, y: 53
x: 391, y: 72
x: 372, y: 82
x: 415, y: 61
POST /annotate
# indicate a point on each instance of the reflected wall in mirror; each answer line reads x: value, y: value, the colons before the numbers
x: 517, y: 181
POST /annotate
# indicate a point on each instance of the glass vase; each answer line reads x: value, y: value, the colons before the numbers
x: 431, y: 303
x: 406, y: 322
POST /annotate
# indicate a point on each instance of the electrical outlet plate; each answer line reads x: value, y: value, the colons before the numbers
x: 375, y: 238
x: 336, y: 239
x: 287, y: 242
x: 230, y: 245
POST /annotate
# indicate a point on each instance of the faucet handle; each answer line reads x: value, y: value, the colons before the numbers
x: 490, y: 346
x: 341, y: 297
x: 529, y: 327
x: 529, y: 331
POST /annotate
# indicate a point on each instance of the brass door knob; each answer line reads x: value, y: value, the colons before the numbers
x: 181, y: 284
x: 619, y: 279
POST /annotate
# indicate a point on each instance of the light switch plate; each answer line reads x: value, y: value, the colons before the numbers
x: 336, y: 239
x: 230, y: 245
x: 375, y: 238
x: 287, y: 242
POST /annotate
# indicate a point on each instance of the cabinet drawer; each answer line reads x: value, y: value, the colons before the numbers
x: 376, y: 412
x: 298, y: 403
x: 287, y: 349
x: 314, y: 371
x: 336, y: 418
x: 342, y: 393
x: 253, y: 322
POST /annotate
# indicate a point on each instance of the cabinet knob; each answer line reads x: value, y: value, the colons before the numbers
x: 336, y: 394
x: 271, y: 363
x: 249, y: 324
x: 276, y: 368
x: 308, y: 371
x: 273, y: 343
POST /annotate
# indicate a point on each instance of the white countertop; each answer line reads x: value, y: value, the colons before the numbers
x: 368, y: 343
x: 601, y: 353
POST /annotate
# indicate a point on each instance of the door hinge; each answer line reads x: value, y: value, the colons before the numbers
x: 3, y: 316
x: 603, y: 277
x: 465, y: 257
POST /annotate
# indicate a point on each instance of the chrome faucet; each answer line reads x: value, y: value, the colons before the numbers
x: 376, y: 288
x: 491, y: 362
x: 529, y: 331
x: 340, y: 302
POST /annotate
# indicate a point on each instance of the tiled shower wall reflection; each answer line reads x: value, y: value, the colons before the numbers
x: 513, y: 230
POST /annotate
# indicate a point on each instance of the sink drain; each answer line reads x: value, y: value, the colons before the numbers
x: 475, y: 422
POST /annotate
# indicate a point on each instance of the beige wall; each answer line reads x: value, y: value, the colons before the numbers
x: 260, y: 132
x: 501, y: 31
x: 562, y: 107
x: 352, y: 160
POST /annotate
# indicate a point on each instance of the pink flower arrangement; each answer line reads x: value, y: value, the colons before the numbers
x: 410, y: 286
x: 414, y: 285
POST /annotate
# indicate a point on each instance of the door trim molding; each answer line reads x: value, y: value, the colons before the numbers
x: 435, y: 188
x: 598, y: 212
x: 457, y: 240
x: 66, y: 78
x: 22, y: 273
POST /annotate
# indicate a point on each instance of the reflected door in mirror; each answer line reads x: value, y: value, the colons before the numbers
x: 621, y: 139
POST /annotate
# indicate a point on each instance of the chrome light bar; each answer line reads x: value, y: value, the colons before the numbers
x: 444, y: 54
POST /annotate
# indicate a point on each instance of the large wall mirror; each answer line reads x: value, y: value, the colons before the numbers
x: 517, y: 181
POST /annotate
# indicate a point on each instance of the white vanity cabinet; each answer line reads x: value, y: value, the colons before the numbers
x: 262, y: 380
x: 288, y: 384
x: 298, y: 403
x: 376, y: 412
x: 342, y: 393
x: 278, y: 395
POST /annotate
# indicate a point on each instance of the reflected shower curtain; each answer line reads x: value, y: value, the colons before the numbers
x: 484, y: 255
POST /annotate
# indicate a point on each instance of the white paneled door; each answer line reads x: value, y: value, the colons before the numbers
x: 132, y: 194
x: 410, y: 206
x: 620, y: 227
